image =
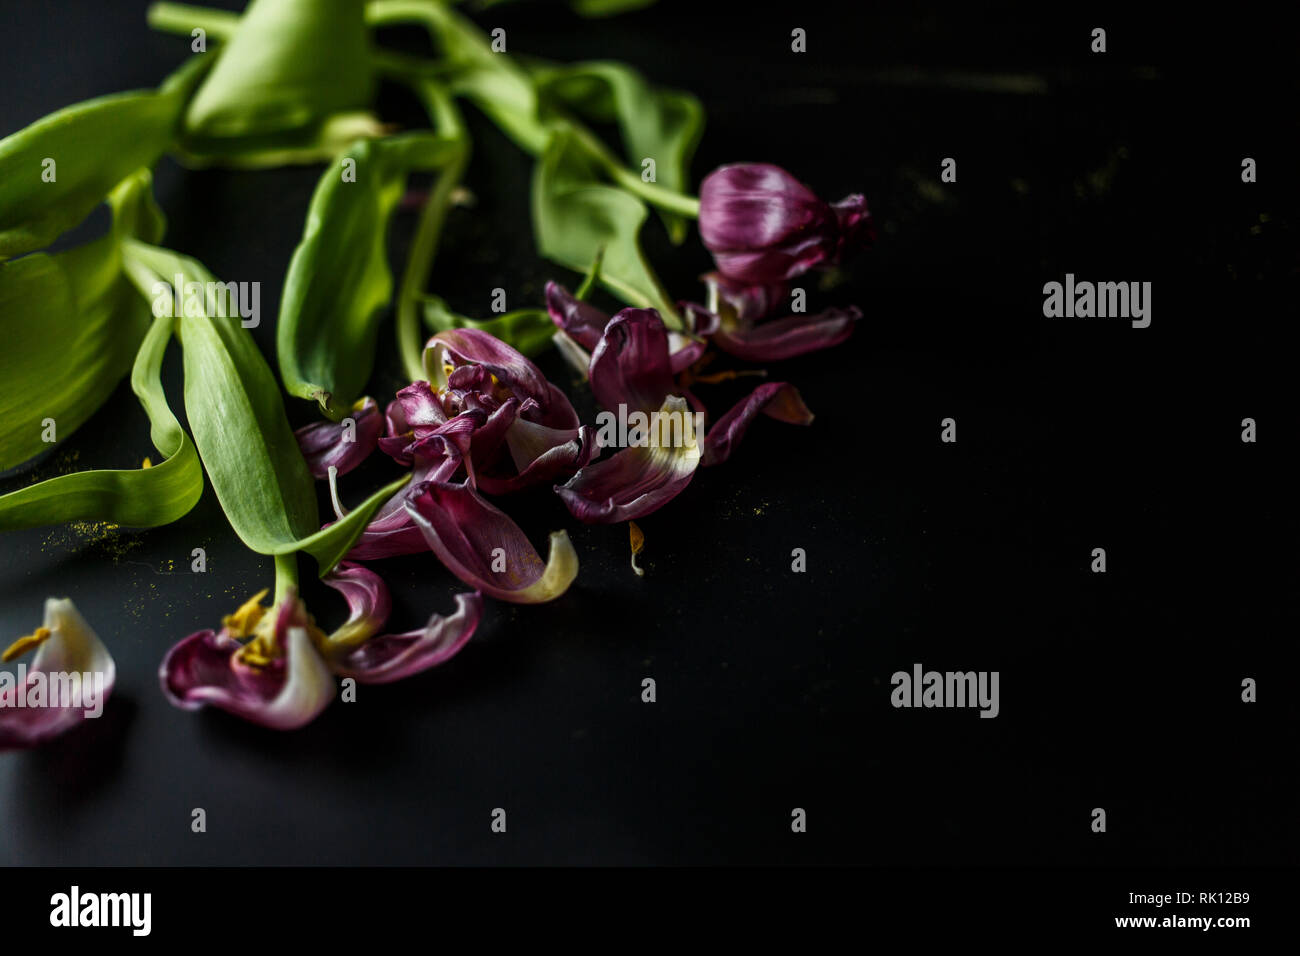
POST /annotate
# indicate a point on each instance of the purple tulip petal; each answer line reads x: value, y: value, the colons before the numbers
x: 457, y: 347
x: 631, y: 365
x: 636, y: 480
x: 762, y: 225
x: 754, y: 205
x: 369, y: 603
x: 336, y: 443
x: 391, y: 657
x: 856, y: 227
x: 743, y: 303
x: 786, y: 338
x: 485, y: 549
x: 779, y: 400
x: 391, y: 532
x: 540, y: 455
x: 71, y: 648
x: 205, y: 669
x: 581, y: 321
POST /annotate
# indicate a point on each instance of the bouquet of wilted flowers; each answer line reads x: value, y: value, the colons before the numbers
x: 292, y: 81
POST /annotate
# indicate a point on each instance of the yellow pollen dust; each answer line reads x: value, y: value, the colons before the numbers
x: 243, y: 621
x: 25, y: 644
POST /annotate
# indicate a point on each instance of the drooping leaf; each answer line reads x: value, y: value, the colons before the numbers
x: 339, y: 279
x: 93, y: 146
x: 576, y: 218
x: 607, y: 8
x: 72, y: 325
x: 527, y: 330
x: 290, y: 65
x: 657, y: 124
x: 139, y: 497
x: 234, y: 408
x: 330, y: 545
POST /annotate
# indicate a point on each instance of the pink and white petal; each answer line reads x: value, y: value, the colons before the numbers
x: 72, y: 648
x: 483, y: 547
x: 203, y: 670
x: 390, y: 657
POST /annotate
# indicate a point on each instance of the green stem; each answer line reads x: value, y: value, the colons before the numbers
x: 286, y: 575
x: 183, y: 18
x: 424, y: 247
x: 668, y: 200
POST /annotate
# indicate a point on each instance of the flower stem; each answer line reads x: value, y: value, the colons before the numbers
x: 183, y: 18
x: 419, y: 263
x: 286, y: 575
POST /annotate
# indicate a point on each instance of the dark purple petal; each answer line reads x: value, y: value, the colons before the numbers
x: 481, y: 545
x: 581, y: 321
x: 631, y: 365
x: 636, y: 480
x: 391, y: 657
x: 762, y: 225
x: 743, y: 303
x: 204, y: 669
x: 71, y: 648
x: 339, y: 444
x: 756, y: 205
x: 391, y: 532
x: 541, y: 455
x: 457, y: 347
x: 786, y: 338
x: 856, y: 228
x: 779, y: 400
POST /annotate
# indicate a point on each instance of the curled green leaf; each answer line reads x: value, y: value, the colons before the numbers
x: 290, y: 66
x: 339, y: 280
x: 73, y: 325
x: 576, y: 218
x: 233, y: 405
x: 139, y: 497
x: 660, y: 128
x: 54, y: 172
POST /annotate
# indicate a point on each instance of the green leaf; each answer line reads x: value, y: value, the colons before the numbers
x: 576, y: 218
x: 290, y: 65
x: 143, y: 497
x: 94, y: 146
x: 607, y: 8
x: 339, y: 280
x: 234, y: 408
x: 658, y: 124
x: 72, y: 325
x: 528, y: 330
x: 330, y: 545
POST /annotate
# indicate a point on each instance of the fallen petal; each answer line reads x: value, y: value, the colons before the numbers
x: 483, y: 547
x: 203, y: 670
x: 343, y: 445
x: 631, y: 364
x: 779, y: 400
x: 786, y: 338
x: 67, y: 646
x: 636, y: 480
x: 391, y: 657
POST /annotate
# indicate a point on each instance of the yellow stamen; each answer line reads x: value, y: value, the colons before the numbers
x: 146, y: 463
x: 243, y: 621
x: 717, y: 377
x: 637, y: 537
x: 24, y: 644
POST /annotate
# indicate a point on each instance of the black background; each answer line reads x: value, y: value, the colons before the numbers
x: 1119, y: 690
